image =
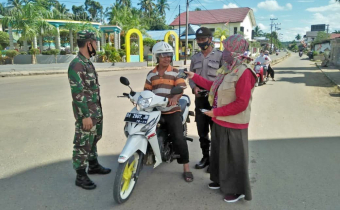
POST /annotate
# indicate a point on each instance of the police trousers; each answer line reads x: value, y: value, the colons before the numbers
x: 203, y: 123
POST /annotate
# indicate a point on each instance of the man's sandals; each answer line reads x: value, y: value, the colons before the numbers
x: 188, y: 176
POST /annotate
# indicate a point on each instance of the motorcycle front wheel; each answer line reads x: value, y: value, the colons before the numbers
x: 126, y: 177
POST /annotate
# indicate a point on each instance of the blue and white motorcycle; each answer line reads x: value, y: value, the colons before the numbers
x: 147, y: 142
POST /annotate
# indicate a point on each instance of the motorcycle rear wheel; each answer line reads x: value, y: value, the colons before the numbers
x: 126, y: 178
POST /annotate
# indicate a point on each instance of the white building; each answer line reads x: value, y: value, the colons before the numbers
x: 232, y: 19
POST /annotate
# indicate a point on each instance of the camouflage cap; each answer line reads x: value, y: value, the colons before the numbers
x: 86, y: 35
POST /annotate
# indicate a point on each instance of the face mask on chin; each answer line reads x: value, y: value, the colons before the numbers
x: 204, y: 45
x: 91, y: 52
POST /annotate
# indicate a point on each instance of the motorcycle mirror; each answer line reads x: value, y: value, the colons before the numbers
x: 124, y: 81
x: 176, y: 90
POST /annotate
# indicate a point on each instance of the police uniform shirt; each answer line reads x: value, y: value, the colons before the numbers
x: 206, y: 66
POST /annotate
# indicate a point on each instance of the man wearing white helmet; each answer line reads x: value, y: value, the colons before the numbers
x: 160, y: 81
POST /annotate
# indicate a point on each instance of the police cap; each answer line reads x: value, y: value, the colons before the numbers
x: 203, y: 32
x: 86, y: 35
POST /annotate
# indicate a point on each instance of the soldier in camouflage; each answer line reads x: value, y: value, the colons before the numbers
x: 87, y: 111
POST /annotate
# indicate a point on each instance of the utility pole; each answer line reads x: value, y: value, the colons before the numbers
x: 186, y: 34
x: 271, y: 33
x: 179, y: 35
x: 327, y: 28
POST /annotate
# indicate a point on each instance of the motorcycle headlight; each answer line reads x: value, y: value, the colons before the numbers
x: 144, y: 103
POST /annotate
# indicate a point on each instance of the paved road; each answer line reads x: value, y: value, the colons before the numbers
x: 294, y: 147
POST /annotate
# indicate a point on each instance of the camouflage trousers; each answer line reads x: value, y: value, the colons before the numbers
x: 85, y: 143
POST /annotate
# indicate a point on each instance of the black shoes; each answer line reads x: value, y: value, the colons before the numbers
x: 96, y: 168
x: 203, y: 163
x: 214, y: 186
x: 84, y: 181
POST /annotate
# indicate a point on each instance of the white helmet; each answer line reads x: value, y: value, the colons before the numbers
x: 162, y: 48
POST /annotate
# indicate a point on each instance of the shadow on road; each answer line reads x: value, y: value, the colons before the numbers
x: 309, y: 76
x: 295, y: 68
x: 303, y: 168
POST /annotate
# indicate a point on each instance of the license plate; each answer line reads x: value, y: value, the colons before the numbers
x: 136, y: 118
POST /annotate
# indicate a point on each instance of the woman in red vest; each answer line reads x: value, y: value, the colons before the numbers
x: 230, y: 96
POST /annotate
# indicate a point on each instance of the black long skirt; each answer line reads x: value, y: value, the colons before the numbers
x: 229, y: 160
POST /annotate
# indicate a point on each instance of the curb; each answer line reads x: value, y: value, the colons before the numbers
x: 319, y: 67
x: 274, y: 62
x: 51, y: 72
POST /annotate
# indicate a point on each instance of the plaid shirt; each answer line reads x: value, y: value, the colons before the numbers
x: 162, y: 86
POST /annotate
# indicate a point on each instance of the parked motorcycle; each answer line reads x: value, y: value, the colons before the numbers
x: 148, y: 142
x: 300, y: 53
x: 259, y: 70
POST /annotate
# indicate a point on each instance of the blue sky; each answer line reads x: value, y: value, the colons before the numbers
x: 295, y: 16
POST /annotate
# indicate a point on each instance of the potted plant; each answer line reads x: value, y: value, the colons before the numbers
x: 11, y: 54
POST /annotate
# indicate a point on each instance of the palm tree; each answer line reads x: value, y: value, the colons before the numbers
x: 257, y: 31
x: 72, y: 27
x: 26, y: 19
x: 147, y: 6
x: 126, y: 3
x: 298, y: 37
x: 162, y: 5
x: 17, y: 4
x: 219, y: 32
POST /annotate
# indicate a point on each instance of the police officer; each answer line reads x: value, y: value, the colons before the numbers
x: 204, y: 63
x: 87, y: 111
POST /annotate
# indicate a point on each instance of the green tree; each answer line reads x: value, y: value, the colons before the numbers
x: 4, y: 39
x: 95, y: 9
x: 26, y: 20
x: 126, y: 3
x: 79, y: 13
x: 162, y: 5
x: 147, y: 6
x: 198, y: 9
x: 219, y: 32
x: 257, y: 31
x: 11, y: 54
x: 336, y: 31
x: 298, y: 37
x: 322, y: 36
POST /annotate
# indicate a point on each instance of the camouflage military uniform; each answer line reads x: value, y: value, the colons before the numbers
x: 86, y: 103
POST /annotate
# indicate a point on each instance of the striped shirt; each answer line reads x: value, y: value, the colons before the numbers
x: 162, y: 86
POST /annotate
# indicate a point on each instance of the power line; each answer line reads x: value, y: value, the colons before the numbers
x: 173, y: 11
x: 207, y: 10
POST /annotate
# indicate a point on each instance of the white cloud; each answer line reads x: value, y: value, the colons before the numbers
x: 289, y: 6
x: 331, y: 7
x: 230, y: 5
x: 272, y: 16
x: 254, y: 9
x: 305, y: 1
x: 290, y: 33
x: 272, y: 5
x: 262, y: 27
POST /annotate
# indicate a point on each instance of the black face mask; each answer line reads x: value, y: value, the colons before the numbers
x: 204, y: 45
x: 91, y: 52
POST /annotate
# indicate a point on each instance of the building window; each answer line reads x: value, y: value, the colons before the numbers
x: 212, y: 30
x: 235, y: 30
x: 242, y: 29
